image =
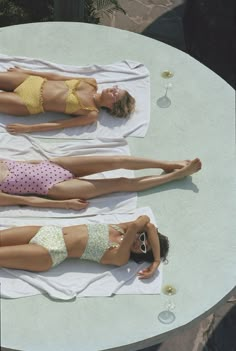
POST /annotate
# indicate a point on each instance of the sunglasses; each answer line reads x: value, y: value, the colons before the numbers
x: 142, y: 239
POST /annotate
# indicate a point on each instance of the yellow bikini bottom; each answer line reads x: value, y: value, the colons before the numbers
x: 30, y: 92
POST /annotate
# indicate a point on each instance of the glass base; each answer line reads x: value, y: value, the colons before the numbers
x: 166, y: 317
x: 163, y: 102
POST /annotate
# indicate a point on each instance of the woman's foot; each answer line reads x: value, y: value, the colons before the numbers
x: 170, y: 166
x: 190, y: 168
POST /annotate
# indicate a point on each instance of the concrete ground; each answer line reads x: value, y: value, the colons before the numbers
x: 162, y: 20
x: 197, y: 27
x: 157, y: 19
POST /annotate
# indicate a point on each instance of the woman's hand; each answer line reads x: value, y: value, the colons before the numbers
x: 149, y: 271
x: 18, y: 128
x: 16, y: 69
x: 76, y: 204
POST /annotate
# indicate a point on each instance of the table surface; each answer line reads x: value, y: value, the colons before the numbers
x: 198, y: 213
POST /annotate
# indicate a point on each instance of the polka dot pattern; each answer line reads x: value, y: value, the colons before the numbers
x: 35, y: 179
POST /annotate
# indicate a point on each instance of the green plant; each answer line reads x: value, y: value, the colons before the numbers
x: 25, y: 11
x: 95, y: 9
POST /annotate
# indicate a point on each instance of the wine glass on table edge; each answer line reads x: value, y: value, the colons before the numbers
x: 164, y: 101
x: 167, y: 316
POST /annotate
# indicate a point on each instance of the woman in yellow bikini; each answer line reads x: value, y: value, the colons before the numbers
x: 29, y: 93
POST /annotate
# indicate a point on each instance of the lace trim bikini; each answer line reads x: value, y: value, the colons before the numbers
x: 31, y: 92
x: 52, y: 238
x: 73, y: 102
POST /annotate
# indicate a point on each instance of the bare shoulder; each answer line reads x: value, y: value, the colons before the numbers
x: 92, y: 81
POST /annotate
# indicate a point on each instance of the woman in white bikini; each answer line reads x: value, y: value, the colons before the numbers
x: 38, y: 249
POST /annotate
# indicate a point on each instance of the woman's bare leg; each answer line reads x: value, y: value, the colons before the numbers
x: 9, y: 81
x: 16, y: 252
x: 30, y: 257
x: 91, y: 188
x: 17, y: 235
x: 12, y: 104
x: 85, y: 165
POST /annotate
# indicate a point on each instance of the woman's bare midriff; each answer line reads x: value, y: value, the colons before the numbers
x: 76, y: 238
x: 55, y: 94
x: 3, y: 171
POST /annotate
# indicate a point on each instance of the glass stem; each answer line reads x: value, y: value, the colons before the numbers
x: 166, y: 91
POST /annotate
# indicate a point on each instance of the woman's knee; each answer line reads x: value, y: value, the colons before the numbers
x: 124, y: 184
x: 120, y: 161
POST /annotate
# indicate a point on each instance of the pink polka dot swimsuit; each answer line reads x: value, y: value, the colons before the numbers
x: 28, y: 178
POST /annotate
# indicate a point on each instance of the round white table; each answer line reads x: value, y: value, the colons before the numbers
x: 198, y: 213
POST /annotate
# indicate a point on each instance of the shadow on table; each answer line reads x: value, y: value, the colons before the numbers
x: 5, y: 349
x: 183, y: 184
x: 219, y: 337
x: 203, y: 29
x: 223, y: 335
x: 168, y: 28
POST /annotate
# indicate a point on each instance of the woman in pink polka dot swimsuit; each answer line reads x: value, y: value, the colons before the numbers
x: 60, y: 182
x: 30, y: 178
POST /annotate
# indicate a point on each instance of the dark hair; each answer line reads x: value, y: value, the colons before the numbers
x: 148, y: 256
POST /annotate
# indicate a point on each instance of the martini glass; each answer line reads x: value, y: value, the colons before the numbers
x: 164, y: 101
x: 167, y: 316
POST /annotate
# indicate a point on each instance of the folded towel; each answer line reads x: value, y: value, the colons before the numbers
x: 129, y: 75
x: 78, y: 278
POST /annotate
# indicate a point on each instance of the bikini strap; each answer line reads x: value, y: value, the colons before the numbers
x: 90, y: 81
x: 93, y: 83
x: 119, y: 229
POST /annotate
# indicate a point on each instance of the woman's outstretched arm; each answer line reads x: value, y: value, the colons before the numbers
x: 16, y: 128
x: 35, y: 201
x: 47, y: 75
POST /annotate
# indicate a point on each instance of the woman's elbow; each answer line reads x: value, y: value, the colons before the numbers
x: 93, y: 117
x: 150, y: 226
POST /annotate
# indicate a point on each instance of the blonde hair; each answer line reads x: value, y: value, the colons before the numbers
x: 123, y: 107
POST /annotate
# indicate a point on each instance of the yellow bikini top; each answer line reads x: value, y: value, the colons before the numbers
x: 73, y: 102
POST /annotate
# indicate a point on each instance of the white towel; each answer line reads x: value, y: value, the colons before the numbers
x: 28, y: 148
x: 129, y: 75
x: 77, y: 278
